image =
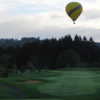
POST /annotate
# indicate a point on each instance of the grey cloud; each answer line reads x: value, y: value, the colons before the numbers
x: 56, y: 16
x: 58, y: 32
x: 16, y: 30
x: 92, y: 14
x: 44, y: 25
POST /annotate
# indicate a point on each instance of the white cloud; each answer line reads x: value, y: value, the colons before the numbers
x: 46, y: 17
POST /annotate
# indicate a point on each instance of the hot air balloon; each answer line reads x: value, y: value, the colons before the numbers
x: 74, y: 10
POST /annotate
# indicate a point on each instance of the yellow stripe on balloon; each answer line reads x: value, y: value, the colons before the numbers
x: 76, y: 14
x: 71, y: 6
x: 74, y: 9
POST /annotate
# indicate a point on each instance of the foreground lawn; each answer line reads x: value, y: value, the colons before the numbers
x: 57, y: 85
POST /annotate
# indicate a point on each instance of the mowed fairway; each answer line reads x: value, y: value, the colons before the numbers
x: 57, y: 85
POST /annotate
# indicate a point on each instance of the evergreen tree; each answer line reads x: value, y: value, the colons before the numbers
x: 84, y: 38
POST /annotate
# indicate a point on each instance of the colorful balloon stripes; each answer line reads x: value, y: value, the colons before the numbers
x: 74, y: 10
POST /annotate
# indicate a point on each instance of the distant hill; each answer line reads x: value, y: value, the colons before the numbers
x: 12, y: 42
x: 98, y: 44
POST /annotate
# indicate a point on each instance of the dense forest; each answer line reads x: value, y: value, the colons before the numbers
x: 35, y: 54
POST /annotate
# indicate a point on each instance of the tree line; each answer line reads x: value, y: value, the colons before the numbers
x: 36, y: 54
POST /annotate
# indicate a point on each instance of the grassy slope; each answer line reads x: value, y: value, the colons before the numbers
x: 71, y: 85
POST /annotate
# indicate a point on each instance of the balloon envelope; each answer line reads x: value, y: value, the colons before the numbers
x: 74, y: 9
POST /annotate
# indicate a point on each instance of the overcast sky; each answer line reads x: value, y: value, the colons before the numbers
x: 47, y: 19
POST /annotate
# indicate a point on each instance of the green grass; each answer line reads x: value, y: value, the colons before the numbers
x: 71, y: 84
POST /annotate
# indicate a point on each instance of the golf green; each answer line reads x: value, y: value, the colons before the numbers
x: 73, y: 83
x: 60, y: 85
